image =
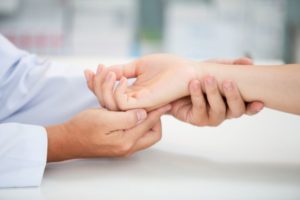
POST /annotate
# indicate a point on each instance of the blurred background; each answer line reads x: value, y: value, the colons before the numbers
x: 199, y: 29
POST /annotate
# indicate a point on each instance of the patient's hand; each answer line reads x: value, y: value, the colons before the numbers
x: 161, y: 79
x: 199, y: 109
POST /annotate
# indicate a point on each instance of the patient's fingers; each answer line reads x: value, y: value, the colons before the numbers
x: 199, y: 115
x: 89, y: 76
x: 236, y: 104
x: 108, y: 91
x: 98, y: 81
x: 128, y: 70
x: 217, y: 110
x: 120, y: 94
x: 127, y: 98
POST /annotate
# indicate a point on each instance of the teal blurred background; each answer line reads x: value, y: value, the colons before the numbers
x: 199, y: 29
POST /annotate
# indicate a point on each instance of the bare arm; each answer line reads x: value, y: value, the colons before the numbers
x: 277, y: 86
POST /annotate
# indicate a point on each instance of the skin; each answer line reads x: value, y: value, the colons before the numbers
x: 158, y: 82
x: 103, y: 133
x: 277, y: 86
x: 197, y: 108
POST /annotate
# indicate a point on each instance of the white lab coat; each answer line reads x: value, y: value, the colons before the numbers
x: 33, y: 93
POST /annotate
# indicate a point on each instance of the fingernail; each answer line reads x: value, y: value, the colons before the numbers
x: 209, y: 80
x: 141, y: 115
x: 227, y: 85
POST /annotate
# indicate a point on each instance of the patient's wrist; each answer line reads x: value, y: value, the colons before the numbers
x: 195, y: 70
x: 203, y: 69
x: 220, y: 72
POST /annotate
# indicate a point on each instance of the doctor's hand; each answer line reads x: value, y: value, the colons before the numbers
x: 211, y: 109
x: 102, y: 133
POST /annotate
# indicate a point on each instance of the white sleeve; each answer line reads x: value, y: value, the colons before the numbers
x: 37, y: 91
x: 33, y: 91
x: 23, y: 155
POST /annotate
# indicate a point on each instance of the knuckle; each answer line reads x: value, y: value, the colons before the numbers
x: 121, y: 105
x: 220, y: 111
x: 201, y: 105
x: 199, y: 123
x: 236, y: 114
x: 233, y: 96
x: 123, y: 148
x: 229, y: 115
x: 212, y: 91
x: 113, y: 107
x: 215, y: 123
x: 237, y: 111
x: 196, y: 93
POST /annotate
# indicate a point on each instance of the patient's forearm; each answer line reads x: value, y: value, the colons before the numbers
x: 277, y: 86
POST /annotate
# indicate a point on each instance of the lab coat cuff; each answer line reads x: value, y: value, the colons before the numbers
x: 24, y: 162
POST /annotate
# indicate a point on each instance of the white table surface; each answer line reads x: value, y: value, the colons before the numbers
x: 248, y: 158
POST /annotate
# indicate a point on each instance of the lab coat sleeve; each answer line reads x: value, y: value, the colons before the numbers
x: 37, y: 91
x: 23, y: 152
x: 33, y: 91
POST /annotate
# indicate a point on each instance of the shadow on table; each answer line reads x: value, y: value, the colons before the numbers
x: 158, y: 164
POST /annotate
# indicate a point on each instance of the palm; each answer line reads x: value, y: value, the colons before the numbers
x: 157, y: 81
